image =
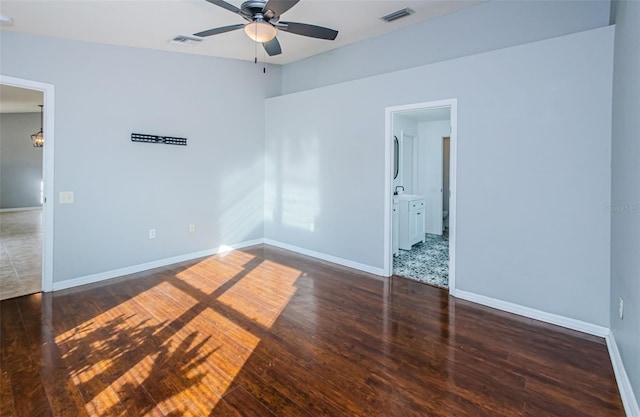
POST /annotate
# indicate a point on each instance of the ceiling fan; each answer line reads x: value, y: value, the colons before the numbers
x: 264, y: 22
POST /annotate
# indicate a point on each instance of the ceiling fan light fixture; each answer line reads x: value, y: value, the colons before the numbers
x: 260, y: 31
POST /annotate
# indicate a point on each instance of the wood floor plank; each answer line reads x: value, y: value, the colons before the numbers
x: 6, y: 395
x: 277, y: 402
x: 265, y: 332
x: 18, y: 364
x: 245, y: 404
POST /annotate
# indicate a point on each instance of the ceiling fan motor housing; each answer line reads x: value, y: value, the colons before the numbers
x: 255, y: 8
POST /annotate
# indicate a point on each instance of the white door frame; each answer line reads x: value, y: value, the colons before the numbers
x: 47, y: 172
x: 388, y: 182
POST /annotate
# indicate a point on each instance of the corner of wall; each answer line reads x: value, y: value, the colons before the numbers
x: 627, y: 395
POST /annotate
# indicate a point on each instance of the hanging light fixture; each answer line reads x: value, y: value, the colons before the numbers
x: 38, y: 138
x: 259, y: 30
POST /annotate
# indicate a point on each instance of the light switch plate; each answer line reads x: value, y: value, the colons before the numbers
x: 66, y: 197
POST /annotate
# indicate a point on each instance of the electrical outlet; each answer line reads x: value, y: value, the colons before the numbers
x: 192, y: 228
x: 152, y: 233
x: 620, y: 308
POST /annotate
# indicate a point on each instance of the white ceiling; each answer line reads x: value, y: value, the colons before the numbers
x: 152, y: 23
x: 19, y: 100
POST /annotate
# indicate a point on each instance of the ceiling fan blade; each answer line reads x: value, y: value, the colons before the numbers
x: 272, y: 47
x: 305, y: 29
x: 225, y: 5
x: 277, y: 7
x: 217, y: 31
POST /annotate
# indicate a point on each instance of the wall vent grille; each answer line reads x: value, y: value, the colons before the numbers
x: 186, y: 40
x: 398, y: 14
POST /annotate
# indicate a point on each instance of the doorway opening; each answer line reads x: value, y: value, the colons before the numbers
x: 420, y: 183
x: 27, y: 233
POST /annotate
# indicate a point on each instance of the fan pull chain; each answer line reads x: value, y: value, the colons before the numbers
x: 255, y: 60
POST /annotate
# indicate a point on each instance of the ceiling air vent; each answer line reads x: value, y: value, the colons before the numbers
x: 398, y: 14
x: 6, y: 20
x: 186, y: 40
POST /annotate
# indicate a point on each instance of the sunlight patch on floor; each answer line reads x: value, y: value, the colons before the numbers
x: 204, y: 321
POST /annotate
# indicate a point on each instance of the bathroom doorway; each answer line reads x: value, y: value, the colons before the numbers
x: 420, y: 190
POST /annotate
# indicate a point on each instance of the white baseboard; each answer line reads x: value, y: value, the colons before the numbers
x: 8, y: 210
x: 631, y: 407
x: 102, y: 276
x: 334, y: 259
x: 532, y: 313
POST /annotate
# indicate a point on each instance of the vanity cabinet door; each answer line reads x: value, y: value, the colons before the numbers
x: 420, y: 224
x: 413, y: 226
x: 416, y: 226
x: 412, y: 223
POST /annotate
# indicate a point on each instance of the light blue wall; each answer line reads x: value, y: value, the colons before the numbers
x: 625, y: 188
x: 122, y: 189
x: 20, y: 162
x: 534, y: 137
x: 485, y: 27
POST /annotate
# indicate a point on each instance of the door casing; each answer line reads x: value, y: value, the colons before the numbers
x: 48, y: 91
x: 388, y: 182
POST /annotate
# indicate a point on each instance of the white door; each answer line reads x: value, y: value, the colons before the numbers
x: 408, y: 156
x: 431, y: 178
x: 446, y: 150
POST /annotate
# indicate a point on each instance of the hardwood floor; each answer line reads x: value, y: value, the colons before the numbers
x: 264, y: 332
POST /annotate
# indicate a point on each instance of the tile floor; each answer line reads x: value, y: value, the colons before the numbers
x: 426, y: 262
x: 20, y: 253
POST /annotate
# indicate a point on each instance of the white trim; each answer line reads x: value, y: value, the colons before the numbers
x: 334, y: 259
x: 47, y: 171
x: 387, y: 263
x: 453, y: 199
x: 532, y: 313
x: 452, y: 103
x: 102, y: 276
x: 9, y: 210
x: 629, y: 401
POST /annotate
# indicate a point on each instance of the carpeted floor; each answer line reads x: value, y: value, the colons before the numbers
x: 426, y: 262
